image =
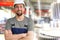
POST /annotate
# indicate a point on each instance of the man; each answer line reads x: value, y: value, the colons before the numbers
x: 19, y: 21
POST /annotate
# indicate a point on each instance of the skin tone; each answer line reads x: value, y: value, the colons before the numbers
x: 19, y: 10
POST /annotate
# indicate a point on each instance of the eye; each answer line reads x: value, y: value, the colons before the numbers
x: 16, y: 6
x: 19, y: 7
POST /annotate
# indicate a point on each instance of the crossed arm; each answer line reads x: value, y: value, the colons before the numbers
x: 24, y: 36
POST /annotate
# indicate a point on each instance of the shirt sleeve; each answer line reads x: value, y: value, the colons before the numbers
x: 8, y: 25
x: 30, y: 25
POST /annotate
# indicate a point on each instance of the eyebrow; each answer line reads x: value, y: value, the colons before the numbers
x: 16, y: 4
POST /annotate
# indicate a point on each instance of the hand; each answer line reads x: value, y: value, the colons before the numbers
x: 29, y: 36
x: 23, y: 35
x: 18, y: 36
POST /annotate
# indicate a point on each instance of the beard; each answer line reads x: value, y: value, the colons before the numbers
x: 19, y: 13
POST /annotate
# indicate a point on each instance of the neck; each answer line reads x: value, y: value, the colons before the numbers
x: 20, y: 18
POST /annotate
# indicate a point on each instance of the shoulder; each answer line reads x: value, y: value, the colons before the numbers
x: 11, y: 19
x: 28, y: 18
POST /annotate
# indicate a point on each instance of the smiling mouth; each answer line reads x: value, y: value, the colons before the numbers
x: 19, y: 13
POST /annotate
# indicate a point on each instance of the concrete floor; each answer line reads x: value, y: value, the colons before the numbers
x: 46, y: 39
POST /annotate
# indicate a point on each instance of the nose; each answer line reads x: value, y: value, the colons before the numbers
x: 19, y: 8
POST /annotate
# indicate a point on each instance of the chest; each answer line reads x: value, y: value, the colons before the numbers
x: 20, y: 24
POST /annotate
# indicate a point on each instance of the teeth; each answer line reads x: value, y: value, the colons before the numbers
x: 20, y: 11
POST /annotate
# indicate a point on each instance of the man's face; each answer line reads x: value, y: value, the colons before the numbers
x: 19, y: 9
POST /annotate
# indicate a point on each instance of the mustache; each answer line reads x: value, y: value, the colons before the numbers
x: 19, y: 14
x: 19, y: 11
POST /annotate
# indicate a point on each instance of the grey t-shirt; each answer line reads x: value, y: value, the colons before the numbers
x: 26, y: 23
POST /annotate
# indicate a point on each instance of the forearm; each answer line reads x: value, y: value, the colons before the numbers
x: 26, y: 38
x: 14, y: 37
x: 19, y: 35
x: 30, y: 36
x: 10, y: 36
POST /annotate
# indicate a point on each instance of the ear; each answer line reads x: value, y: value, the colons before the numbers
x: 13, y: 10
x: 25, y: 11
